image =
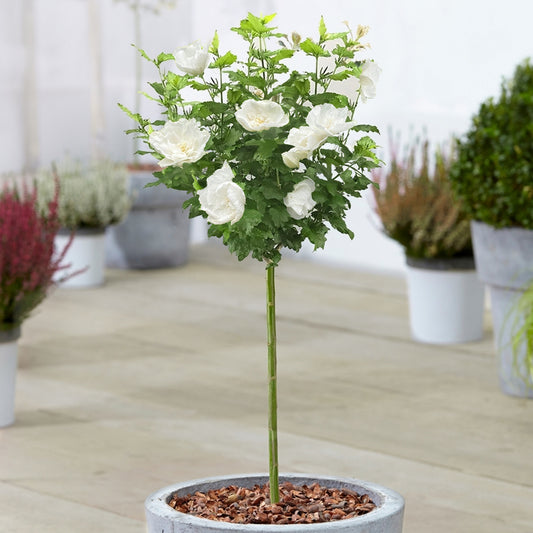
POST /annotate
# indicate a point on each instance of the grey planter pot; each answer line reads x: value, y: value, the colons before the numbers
x: 386, y: 518
x: 155, y: 234
x: 504, y: 259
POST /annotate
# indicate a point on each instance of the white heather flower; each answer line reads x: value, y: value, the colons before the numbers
x: 179, y: 142
x: 193, y: 58
x: 368, y: 80
x: 293, y: 157
x: 328, y: 119
x: 300, y: 201
x: 221, y: 199
x: 259, y: 115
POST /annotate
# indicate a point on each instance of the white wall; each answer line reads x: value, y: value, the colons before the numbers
x: 440, y: 59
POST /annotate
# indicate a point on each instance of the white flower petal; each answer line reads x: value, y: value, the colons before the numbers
x: 193, y: 58
x: 300, y: 201
x: 179, y: 142
x: 222, y: 199
x: 260, y: 115
x: 329, y: 119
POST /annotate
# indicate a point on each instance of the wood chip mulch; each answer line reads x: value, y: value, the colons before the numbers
x: 305, y: 504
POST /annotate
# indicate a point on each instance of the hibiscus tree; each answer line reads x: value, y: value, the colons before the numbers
x: 269, y: 155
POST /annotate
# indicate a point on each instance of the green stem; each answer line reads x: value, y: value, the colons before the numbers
x: 272, y: 387
x: 138, y: 72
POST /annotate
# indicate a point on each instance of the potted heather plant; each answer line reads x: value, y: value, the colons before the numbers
x: 418, y: 210
x: 270, y: 155
x: 28, y: 264
x: 91, y: 198
x: 155, y: 233
x: 493, y: 176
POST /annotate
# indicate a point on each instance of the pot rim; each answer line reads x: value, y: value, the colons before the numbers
x: 9, y: 335
x: 388, y: 502
x: 465, y: 262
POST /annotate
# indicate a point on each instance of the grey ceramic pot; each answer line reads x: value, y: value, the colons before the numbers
x: 504, y: 259
x: 155, y: 234
x: 386, y: 518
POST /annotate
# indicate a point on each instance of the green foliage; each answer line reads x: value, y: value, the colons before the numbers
x: 493, y: 173
x: 522, y: 335
x: 338, y: 168
x: 417, y: 207
x: 93, y: 196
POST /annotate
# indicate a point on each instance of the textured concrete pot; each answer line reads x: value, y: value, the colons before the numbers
x: 446, y: 300
x: 504, y: 259
x: 86, y: 255
x: 386, y: 518
x: 8, y: 374
x: 155, y: 234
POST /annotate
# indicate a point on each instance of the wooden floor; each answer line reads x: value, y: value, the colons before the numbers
x: 159, y: 377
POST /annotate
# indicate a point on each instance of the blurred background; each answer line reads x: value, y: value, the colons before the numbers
x: 66, y: 63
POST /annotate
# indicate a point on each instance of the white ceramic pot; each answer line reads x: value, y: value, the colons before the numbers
x: 86, y: 255
x: 446, y: 301
x: 386, y: 518
x: 8, y: 373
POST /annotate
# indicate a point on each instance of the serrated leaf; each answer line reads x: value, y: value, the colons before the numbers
x: 249, y: 220
x: 340, y: 76
x: 313, y: 49
x: 338, y: 100
x: 143, y: 53
x: 266, y: 148
x: 157, y: 87
x: 161, y: 58
x: 224, y: 61
x: 199, y: 86
x: 134, y: 116
x: 282, y: 54
x: 366, y: 128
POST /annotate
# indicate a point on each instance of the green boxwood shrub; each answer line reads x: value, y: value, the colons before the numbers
x: 493, y: 173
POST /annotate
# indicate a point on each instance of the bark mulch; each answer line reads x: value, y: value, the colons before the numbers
x: 307, y: 504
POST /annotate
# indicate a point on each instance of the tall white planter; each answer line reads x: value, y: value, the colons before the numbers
x: 86, y: 255
x: 8, y: 373
x: 446, y: 301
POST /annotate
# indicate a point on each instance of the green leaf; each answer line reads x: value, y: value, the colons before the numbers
x: 158, y: 87
x: 161, y: 58
x: 283, y: 53
x: 340, y: 76
x: 199, y: 86
x: 266, y: 148
x: 224, y: 61
x: 279, y: 216
x: 135, y: 116
x: 213, y: 47
x: 313, y: 49
x: 249, y: 220
x: 366, y: 128
x: 143, y: 53
x: 322, y: 28
x: 338, y: 100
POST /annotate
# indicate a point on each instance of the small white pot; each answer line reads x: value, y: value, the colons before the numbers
x: 86, y: 255
x: 8, y: 374
x: 445, y: 306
